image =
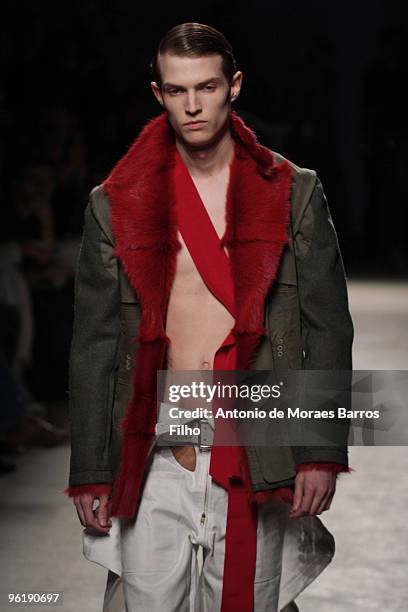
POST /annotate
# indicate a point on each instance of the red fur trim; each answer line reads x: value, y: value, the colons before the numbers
x: 326, y: 466
x: 94, y: 489
x: 141, y: 190
x: 263, y: 156
x: 284, y: 494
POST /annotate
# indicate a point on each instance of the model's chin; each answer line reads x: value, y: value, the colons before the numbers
x: 200, y: 138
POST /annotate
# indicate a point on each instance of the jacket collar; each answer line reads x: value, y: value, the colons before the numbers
x: 144, y: 225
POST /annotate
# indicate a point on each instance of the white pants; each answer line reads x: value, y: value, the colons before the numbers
x: 171, y: 556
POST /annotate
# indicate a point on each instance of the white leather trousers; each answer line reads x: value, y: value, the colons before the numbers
x: 171, y: 556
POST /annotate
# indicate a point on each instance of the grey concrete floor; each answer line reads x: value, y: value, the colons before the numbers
x: 40, y: 541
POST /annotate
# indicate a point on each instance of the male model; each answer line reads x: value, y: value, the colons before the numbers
x: 202, y: 250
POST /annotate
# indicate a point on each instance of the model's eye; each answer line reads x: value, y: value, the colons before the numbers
x: 209, y: 88
x: 173, y: 92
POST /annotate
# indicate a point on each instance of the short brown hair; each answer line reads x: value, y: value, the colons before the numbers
x: 195, y: 40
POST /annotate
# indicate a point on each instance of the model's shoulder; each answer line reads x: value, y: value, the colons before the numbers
x: 100, y: 207
x: 303, y: 186
x: 99, y: 200
x: 98, y: 195
x: 299, y: 173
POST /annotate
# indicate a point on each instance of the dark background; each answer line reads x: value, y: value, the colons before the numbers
x: 324, y: 84
x: 327, y: 79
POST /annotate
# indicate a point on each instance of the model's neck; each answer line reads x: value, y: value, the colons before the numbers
x: 210, y: 160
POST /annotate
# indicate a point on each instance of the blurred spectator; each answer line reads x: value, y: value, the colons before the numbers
x: 50, y: 279
x: 21, y: 420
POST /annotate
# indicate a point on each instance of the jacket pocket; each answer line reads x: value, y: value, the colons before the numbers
x: 128, y: 344
x: 276, y: 464
x: 283, y: 324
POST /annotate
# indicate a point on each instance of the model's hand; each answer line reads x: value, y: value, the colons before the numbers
x: 314, y: 491
x: 99, y: 518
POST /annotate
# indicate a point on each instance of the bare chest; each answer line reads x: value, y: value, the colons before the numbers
x: 197, y: 322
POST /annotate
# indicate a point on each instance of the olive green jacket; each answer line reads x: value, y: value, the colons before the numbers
x: 306, y: 315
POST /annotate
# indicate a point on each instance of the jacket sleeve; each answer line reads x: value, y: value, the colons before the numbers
x: 93, y: 354
x: 327, y: 328
x: 336, y: 468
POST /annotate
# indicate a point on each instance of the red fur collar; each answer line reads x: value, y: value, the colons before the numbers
x: 141, y: 191
x: 144, y: 225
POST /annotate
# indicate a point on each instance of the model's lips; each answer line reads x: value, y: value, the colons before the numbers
x: 195, y: 125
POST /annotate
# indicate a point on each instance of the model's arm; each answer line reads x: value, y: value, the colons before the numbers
x: 327, y: 328
x: 92, y: 366
x: 327, y: 337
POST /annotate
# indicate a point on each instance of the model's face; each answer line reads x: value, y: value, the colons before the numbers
x: 194, y: 89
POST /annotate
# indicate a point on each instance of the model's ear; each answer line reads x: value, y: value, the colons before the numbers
x: 157, y: 92
x: 236, y: 85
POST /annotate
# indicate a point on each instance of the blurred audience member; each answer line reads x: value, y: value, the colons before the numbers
x: 49, y: 277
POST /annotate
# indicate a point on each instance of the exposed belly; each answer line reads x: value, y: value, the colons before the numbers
x: 197, y: 322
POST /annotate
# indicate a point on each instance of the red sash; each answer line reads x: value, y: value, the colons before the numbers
x: 228, y: 466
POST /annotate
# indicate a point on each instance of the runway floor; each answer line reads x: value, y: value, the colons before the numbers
x: 41, y: 547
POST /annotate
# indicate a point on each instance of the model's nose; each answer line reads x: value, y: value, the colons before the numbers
x: 193, y: 105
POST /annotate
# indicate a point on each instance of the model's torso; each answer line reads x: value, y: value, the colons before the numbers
x: 197, y: 322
